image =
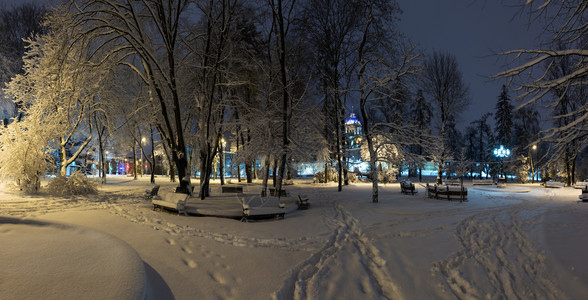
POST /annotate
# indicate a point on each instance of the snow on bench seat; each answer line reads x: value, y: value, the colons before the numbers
x: 584, y: 195
x: 581, y: 184
x: 447, y: 192
x: 171, y: 201
x: 303, y: 202
x: 482, y: 182
x: 407, y: 187
x: 554, y: 184
x: 452, y: 182
x: 232, y: 189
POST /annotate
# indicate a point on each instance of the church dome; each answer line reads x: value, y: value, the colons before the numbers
x: 352, y: 120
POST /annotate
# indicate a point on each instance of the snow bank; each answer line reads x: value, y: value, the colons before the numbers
x: 43, y: 260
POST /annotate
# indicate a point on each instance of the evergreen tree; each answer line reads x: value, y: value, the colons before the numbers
x: 484, y: 140
x: 503, y: 118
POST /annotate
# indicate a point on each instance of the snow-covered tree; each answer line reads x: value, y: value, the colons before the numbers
x: 383, y: 58
x: 504, y: 118
x: 148, y: 36
x: 538, y: 71
x: 442, y: 80
x: 327, y: 27
x: 24, y: 154
x: 520, y: 167
x: 59, y: 88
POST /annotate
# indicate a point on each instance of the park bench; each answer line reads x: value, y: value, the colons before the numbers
x: 259, y: 211
x: 232, y: 189
x: 452, y: 182
x: 584, y: 196
x: 149, y: 194
x: 171, y: 201
x: 303, y: 202
x: 581, y: 185
x: 447, y: 192
x: 482, y: 182
x: 554, y: 184
x: 407, y: 187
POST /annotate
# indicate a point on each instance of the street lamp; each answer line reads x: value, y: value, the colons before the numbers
x: 106, y: 152
x: 143, y: 141
x: 224, y: 145
x: 534, y: 161
x: 502, y: 153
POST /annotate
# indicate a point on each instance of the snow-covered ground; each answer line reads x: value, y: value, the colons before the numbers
x: 499, y: 244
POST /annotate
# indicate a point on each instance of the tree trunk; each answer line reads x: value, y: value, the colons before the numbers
x: 238, y: 164
x: 247, y: 165
x: 440, y: 173
x: 338, y: 136
x: 101, y: 150
x: 275, y: 173
x: 362, y: 105
x: 266, y: 175
x: 134, y: 161
x: 152, y: 160
x: 221, y: 164
x: 286, y: 107
x: 205, y: 171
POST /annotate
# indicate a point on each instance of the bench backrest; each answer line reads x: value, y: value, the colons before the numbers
x: 232, y: 189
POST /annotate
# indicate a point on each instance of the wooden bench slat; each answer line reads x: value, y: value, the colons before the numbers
x: 232, y: 189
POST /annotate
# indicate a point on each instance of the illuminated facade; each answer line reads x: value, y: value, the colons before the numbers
x: 354, y: 137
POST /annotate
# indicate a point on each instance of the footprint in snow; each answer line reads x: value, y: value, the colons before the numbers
x: 187, y: 250
x: 190, y: 263
x: 171, y: 241
x: 218, y: 278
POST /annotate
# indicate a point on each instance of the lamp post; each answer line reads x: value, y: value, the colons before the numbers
x: 222, y: 160
x: 106, y: 152
x: 535, y: 173
x: 143, y: 141
x: 502, y: 153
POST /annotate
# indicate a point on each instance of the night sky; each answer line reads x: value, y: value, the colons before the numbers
x: 472, y: 30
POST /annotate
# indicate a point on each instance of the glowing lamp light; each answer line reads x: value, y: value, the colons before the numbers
x: 501, y: 152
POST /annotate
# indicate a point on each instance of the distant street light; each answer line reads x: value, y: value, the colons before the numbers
x: 143, y: 142
x: 533, y: 163
x: 223, y: 159
x: 109, y: 170
x: 501, y: 152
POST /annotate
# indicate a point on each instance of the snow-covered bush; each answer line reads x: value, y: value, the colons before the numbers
x: 23, y: 155
x: 319, y: 177
x: 521, y: 168
x: 76, y: 184
x: 352, y: 177
x: 387, y: 176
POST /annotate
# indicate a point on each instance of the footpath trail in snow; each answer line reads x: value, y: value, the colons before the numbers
x: 498, y: 258
x: 497, y: 245
x: 347, y: 251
